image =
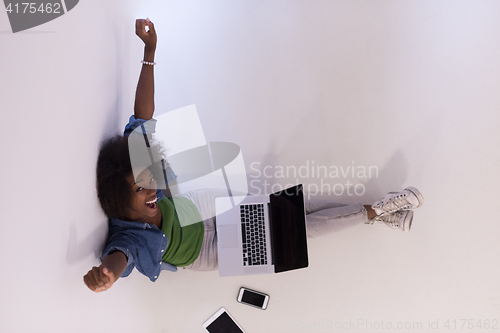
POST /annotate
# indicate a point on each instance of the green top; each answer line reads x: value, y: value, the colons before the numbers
x: 184, y: 229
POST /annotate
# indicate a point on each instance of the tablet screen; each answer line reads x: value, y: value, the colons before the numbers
x: 223, y: 324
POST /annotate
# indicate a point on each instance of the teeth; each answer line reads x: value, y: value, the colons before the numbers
x: 152, y: 201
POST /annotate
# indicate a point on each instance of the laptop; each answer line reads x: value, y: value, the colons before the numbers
x: 262, y: 234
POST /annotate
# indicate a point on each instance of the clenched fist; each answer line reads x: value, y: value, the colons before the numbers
x: 99, y: 278
x: 148, y: 37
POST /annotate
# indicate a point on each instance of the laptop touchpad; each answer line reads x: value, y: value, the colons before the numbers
x: 228, y: 236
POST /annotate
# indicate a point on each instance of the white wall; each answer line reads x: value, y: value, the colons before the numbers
x: 410, y: 87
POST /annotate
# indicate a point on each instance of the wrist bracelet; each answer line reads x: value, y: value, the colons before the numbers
x: 148, y: 63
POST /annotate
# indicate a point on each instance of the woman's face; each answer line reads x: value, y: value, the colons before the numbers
x: 143, y: 201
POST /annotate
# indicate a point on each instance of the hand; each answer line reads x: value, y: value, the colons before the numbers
x: 148, y: 37
x: 99, y: 279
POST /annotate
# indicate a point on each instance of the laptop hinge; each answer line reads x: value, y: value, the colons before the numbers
x: 271, y: 238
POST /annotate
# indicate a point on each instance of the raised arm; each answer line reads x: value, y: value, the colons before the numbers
x: 145, y: 93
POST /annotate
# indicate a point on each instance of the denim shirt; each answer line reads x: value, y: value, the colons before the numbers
x: 142, y: 243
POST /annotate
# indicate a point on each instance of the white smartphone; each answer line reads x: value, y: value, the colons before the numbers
x: 253, y: 298
x: 222, y: 322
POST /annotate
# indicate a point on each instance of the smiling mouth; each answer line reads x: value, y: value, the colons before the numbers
x: 153, y: 203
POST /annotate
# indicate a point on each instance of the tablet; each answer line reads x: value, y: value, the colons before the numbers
x: 222, y: 322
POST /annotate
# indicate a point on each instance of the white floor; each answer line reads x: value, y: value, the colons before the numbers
x: 409, y: 88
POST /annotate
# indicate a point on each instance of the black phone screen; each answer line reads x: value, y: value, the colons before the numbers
x: 253, y: 298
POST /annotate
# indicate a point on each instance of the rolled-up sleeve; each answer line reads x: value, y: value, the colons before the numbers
x: 148, y: 128
x: 125, y: 245
x: 133, y: 123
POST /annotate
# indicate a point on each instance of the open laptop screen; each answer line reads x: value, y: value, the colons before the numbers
x: 288, y: 229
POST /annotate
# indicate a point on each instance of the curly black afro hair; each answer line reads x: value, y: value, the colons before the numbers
x: 113, y: 168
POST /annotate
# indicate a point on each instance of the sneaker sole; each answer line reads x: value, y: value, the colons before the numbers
x: 417, y: 193
x: 408, y: 220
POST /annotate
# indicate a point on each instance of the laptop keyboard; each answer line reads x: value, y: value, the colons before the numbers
x: 253, y: 235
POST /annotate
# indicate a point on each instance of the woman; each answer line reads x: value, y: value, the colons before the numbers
x: 144, y: 228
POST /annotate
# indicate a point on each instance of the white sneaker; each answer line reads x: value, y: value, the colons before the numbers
x: 400, y: 220
x: 409, y: 198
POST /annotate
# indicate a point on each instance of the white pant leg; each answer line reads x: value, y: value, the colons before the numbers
x: 325, y: 217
